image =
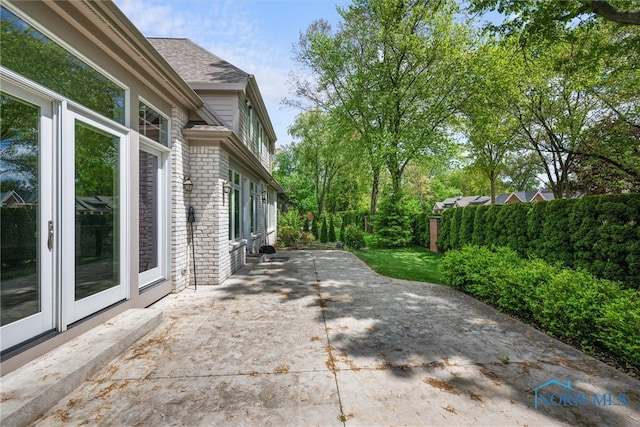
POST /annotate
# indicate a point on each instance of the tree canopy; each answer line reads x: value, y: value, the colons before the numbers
x: 438, y: 105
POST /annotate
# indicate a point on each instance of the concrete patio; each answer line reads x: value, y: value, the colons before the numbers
x: 317, y: 338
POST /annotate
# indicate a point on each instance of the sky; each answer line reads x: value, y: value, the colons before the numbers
x: 256, y: 36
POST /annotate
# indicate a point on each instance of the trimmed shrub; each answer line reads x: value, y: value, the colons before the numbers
x: 288, y: 235
x: 354, y: 237
x: 454, y: 231
x: 584, y: 231
x: 465, y: 267
x: 619, y: 326
x: 489, y: 218
x: 556, y: 243
x: 515, y: 227
x: 535, y: 219
x: 597, y: 233
x: 421, y: 229
x: 479, y: 225
x: 332, y: 230
x: 324, y: 231
x: 444, y: 236
x: 517, y: 289
x: 314, y: 228
x: 572, y: 305
x: 307, y: 237
x: 465, y: 230
x: 393, y: 223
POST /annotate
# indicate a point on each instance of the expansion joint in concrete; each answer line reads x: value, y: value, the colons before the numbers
x: 331, y: 364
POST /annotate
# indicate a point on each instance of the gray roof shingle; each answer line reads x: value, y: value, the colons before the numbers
x: 197, y: 65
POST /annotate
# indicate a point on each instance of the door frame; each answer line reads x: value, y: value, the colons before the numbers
x: 72, y: 310
x: 45, y: 320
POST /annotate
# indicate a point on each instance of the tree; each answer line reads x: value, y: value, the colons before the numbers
x: 393, y: 72
x: 551, y: 17
x: 521, y: 170
x: 18, y: 142
x: 321, y: 152
x: 324, y: 231
x: 332, y: 230
x: 608, y: 158
x: 298, y: 186
x: 490, y: 133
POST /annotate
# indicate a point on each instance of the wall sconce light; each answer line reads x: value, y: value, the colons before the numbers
x: 226, y: 187
x: 264, y: 196
x: 187, y: 184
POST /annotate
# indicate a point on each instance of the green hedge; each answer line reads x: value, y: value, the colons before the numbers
x: 572, y: 305
x: 597, y: 233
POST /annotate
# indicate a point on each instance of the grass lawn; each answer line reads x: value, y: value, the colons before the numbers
x: 409, y: 263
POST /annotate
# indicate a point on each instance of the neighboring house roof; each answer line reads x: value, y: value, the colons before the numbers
x: 501, y: 199
x: 94, y: 204
x: 18, y: 198
x: 471, y: 200
x: 196, y: 64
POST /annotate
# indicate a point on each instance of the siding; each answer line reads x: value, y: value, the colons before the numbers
x: 225, y: 106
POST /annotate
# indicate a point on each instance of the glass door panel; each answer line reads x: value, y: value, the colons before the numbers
x: 97, y: 228
x: 150, y: 232
x: 26, y: 207
x: 97, y: 273
x: 148, y: 208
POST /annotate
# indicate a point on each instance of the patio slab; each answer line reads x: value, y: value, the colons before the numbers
x: 320, y: 339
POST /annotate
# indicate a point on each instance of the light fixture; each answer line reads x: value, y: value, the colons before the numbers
x: 226, y: 187
x: 187, y: 184
x: 264, y: 196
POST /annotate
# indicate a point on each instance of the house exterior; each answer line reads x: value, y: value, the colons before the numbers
x: 101, y: 129
x: 501, y: 199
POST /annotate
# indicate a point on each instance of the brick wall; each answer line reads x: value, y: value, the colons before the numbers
x: 180, y: 249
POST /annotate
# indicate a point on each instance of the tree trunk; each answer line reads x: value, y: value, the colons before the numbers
x: 492, y: 184
x: 374, y: 191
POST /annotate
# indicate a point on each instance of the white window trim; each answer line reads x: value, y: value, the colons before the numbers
x: 162, y: 272
x: 167, y: 118
x: 232, y: 207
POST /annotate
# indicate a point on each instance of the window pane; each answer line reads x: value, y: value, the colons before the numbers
x: 153, y: 125
x: 19, y: 234
x: 253, y: 212
x: 97, y: 213
x: 148, y: 216
x: 230, y: 203
x: 33, y: 55
x: 236, y: 213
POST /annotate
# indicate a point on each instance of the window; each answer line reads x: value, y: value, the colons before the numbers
x: 153, y: 196
x: 152, y: 124
x: 253, y: 207
x: 153, y: 233
x: 260, y: 137
x: 30, y: 53
x: 235, y: 206
x: 250, y: 127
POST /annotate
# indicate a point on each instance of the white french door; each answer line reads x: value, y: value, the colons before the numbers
x: 64, y: 214
x: 93, y: 212
x: 29, y: 246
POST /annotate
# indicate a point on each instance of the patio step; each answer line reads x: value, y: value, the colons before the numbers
x: 31, y: 390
